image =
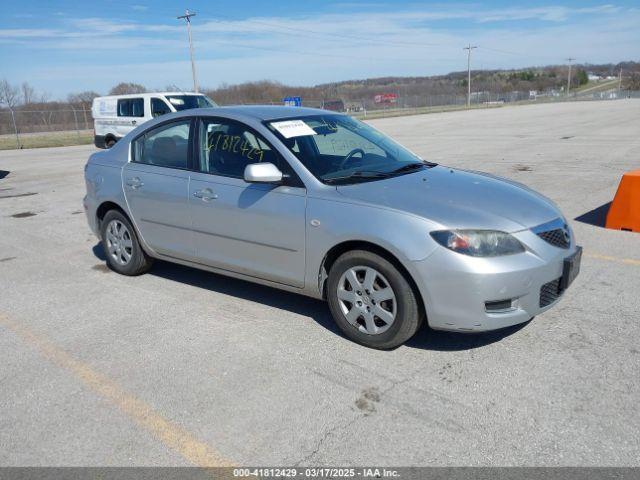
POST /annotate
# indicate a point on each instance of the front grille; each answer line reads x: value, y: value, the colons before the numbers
x: 556, y: 237
x: 549, y: 292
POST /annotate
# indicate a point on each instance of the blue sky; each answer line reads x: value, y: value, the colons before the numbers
x: 69, y: 46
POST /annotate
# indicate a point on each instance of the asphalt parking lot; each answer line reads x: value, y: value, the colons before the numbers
x: 181, y: 367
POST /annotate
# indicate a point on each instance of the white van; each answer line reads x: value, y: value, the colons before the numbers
x: 116, y: 115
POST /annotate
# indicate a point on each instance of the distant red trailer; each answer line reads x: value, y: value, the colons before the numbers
x: 386, y: 98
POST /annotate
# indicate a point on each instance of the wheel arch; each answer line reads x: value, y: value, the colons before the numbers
x: 107, y: 205
x: 334, y: 253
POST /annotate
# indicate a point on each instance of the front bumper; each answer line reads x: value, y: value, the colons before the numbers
x: 455, y: 287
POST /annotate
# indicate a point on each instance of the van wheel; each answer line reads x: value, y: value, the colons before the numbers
x: 121, y: 247
x: 109, y: 142
x: 371, y: 301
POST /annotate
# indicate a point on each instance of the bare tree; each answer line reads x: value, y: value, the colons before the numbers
x: 8, y: 94
x: 43, y: 97
x: 82, y: 98
x: 127, y: 87
x: 631, y: 81
x: 28, y: 93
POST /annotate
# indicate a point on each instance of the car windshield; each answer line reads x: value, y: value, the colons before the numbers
x: 186, y: 102
x: 340, y: 149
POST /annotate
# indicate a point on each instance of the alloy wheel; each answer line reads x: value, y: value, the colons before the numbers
x: 119, y: 242
x: 367, y: 300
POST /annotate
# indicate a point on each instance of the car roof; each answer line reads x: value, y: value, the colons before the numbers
x: 264, y: 112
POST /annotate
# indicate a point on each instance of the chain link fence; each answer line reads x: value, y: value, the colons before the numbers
x: 75, y: 125
x: 411, y: 104
x: 21, y: 123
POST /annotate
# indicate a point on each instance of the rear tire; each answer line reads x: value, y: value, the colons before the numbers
x: 109, y: 142
x: 371, y: 300
x: 121, y: 246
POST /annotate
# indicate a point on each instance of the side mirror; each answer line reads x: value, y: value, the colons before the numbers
x: 262, y: 173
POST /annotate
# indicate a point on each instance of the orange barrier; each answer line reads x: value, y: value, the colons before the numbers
x: 624, y: 212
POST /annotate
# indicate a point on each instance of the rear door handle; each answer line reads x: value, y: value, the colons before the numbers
x: 134, y: 183
x: 133, y: 122
x: 206, y: 194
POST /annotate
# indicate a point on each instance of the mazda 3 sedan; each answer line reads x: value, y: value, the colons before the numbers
x: 323, y: 205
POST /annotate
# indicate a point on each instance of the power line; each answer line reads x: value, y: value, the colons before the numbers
x: 314, y: 54
x: 306, y: 32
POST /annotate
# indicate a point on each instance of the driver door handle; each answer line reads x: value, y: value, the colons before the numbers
x: 206, y: 194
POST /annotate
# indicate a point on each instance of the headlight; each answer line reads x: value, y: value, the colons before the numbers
x: 478, y: 243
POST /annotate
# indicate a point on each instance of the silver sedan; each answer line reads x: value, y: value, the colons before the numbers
x: 324, y: 205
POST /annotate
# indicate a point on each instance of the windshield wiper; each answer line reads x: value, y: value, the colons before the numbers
x: 375, y: 174
x: 358, y: 175
x: 410, y: 167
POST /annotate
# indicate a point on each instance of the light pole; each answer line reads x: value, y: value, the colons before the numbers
x: 469, y: 48
x: 187, y: 17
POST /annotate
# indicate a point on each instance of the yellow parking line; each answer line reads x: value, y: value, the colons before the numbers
x: 170, y: 434
x: 628, y: 261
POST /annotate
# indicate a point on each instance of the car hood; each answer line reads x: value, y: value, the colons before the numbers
x: 458, y: 199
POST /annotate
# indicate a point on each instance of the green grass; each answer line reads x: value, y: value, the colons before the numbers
x: 593, y: 87
x: 44, y: 140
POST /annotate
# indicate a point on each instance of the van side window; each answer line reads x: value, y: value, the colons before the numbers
x: 165, y: 146
x: 123, y: 108
x: 137, y: 107
x: 159, y: 107
x: 131, y: 107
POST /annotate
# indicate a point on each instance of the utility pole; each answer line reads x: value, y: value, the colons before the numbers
x: 187, y: 17
x: 620, y: 81
x: 469, y: 48
x: 569, y: 76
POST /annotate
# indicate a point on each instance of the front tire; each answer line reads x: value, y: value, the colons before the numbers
x: 371, y: 300
x: 121, y: 246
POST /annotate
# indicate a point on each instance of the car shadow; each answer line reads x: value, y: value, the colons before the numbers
x: 596, y: 217
x: 425, y: 339
x: 429, y: 339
